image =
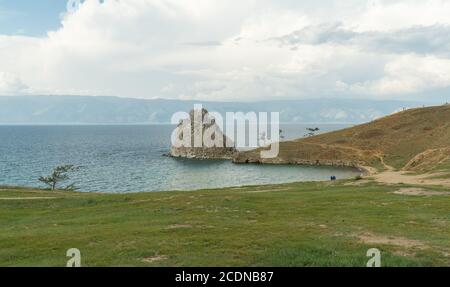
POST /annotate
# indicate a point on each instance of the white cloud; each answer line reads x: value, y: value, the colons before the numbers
x: 417, y: 39
x: 409, y: 74
x: 218, y: 50
x: 11, y: 85
x: 400, y: 14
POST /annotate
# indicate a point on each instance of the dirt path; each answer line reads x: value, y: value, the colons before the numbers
x: 418, y: 191
x: 26, y: 198
x: 395, y: 177
x: 359, y: 152
x: 391, y: 176
x: 385, y: 165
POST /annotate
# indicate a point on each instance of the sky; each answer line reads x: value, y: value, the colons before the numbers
x: 224, y: 50
x: 30, y: 17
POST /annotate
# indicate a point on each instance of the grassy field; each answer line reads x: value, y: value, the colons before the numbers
x: 301, y: 224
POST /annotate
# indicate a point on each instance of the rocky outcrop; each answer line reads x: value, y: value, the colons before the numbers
x: 191, y: 132
x: 307, y: 154
x: 203, y: 153
x: 277, y: 160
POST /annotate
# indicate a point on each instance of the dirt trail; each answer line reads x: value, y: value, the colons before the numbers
x: 26, y: 198
x: 414, y: 191
x: 385, y: 165
x: 391, y: 240
x: 359, y: 152
x: 392, y: 176
x: 395, y: 177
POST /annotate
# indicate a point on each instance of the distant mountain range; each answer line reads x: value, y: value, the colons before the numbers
x: 114, y: 110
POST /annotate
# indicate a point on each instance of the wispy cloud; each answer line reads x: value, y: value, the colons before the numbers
x: 416, y: 39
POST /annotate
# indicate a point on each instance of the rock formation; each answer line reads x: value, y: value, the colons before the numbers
x: 200, y: 137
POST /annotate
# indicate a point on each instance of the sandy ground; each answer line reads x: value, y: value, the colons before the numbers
x: 391, y: 176
x: 154, y: 258
x: 265, y: 190
x: 419, y: 192
x: 395, y: 177
x: 391, y: 240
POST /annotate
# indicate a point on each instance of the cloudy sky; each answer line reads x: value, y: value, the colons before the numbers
x: 227, y: 50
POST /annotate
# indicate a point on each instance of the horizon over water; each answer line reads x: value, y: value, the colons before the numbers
x: 129, y: 158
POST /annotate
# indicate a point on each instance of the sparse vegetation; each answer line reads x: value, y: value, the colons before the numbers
x: 311, y: 132
x: 358, y: 177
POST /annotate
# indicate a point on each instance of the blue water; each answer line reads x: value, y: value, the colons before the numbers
x: 129, y: 159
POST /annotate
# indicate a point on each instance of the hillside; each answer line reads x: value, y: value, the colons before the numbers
x: 415, y: 140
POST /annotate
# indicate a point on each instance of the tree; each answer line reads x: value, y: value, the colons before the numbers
x: 311, y: 131
x: 59, y: 175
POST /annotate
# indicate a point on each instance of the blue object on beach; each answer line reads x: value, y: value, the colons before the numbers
x: 333, y: 177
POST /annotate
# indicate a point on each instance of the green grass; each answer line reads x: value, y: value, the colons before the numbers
x: 442, y: 167
x: 300, y: 224
x: 440, y: 176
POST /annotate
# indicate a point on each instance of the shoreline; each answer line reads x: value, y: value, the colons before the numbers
x: 352, y: 168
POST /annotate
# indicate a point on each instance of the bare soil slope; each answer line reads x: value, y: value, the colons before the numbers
x: 415, y: 140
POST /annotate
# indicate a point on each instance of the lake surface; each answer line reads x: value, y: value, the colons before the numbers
x: 129, y: 159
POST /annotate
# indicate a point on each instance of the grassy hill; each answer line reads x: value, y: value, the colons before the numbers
x: 298, y: 224
x: 415, y: 139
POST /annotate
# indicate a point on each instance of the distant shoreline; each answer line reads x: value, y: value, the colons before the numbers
x: 160, y: 124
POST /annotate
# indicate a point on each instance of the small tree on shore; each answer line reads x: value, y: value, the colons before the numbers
x: 59, y: 175
x: 311, y: 131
